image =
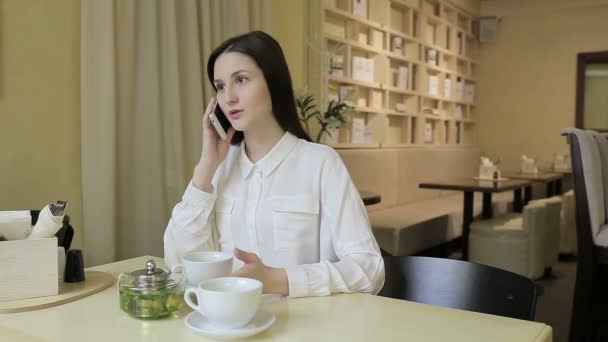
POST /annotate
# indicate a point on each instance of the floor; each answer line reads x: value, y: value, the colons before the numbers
x: 555, y: 303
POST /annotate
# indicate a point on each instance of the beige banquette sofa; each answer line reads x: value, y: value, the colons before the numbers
x: 410, y: 220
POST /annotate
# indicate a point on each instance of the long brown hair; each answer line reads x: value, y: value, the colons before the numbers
x: 268, y: 55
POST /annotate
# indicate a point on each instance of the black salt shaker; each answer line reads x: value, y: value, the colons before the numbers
x: 74, y: 267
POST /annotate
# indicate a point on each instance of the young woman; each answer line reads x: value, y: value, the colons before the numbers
x: 286, y: 207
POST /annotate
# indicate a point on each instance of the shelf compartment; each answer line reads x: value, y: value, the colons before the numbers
x: 400, y: 131
x: 463, y: 22
x: 336, y: 54
x: 409, y: 48
x: 401, y: 18
x: 372, y: 131
x: 379, y: 62
x: 367, y: 37
x: 400, y: 75
x: 431, y: 8
x: 403, y: 104
x: 342, y: 5
x: 432, y: 134
x: 469, y: 133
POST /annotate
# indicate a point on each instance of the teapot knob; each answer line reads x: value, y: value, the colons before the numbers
x: 151, y: 266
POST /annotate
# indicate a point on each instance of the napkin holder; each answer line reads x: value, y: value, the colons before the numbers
x: 529, y: 166
x: 486, y: 172
x: 29, y: 268
x: 561, y: 163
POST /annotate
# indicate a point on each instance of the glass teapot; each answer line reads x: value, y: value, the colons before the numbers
x: 151, y: 293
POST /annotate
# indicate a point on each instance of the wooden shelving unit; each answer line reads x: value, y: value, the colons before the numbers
x: 421, y: 94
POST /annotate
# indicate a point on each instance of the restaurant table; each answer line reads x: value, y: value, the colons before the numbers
x: 369, y: 197
x: 487, y: 187
x: 343, y: 317
x: 552, y: 180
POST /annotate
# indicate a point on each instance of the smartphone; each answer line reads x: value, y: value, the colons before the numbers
x: 220, y: 121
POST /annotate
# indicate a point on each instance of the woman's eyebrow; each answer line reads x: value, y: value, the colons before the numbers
x: 232, y: 75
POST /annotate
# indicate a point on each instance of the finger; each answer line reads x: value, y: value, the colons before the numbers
x: 245, y: 256
x: 231, y: 132
x: 209, y: 108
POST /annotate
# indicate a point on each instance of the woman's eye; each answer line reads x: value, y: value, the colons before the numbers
x: 241, y: 79
x: 219, y: 87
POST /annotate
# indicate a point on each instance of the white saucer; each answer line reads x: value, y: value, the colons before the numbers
x: 199, y: 323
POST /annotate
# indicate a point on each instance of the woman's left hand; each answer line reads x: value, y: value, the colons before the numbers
x: 274, y: 279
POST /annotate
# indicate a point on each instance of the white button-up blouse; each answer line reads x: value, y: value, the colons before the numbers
x: 297, y: 209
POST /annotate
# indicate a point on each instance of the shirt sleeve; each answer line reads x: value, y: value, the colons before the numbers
x: 360, y: 267
x: 192, y: 225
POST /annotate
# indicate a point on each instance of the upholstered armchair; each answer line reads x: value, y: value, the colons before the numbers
x: 513, y: 242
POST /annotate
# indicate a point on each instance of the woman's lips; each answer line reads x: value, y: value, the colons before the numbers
x: 235, y: 114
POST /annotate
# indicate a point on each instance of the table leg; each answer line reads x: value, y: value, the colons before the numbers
x: 467, y: 218
x: 558, y: 187
x: 487, y: 205
x: 549, y: 189
x: 527, y: 194
x: 517, y: 204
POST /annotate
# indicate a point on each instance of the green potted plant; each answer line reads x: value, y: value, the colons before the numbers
x: 329, y: 121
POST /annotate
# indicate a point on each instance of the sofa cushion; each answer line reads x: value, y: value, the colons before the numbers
x: 427, y: 165
x: 414, y: 227
x: 396, y: 173
x: 374, y: 170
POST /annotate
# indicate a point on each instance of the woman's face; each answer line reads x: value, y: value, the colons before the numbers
x: 242, y: 92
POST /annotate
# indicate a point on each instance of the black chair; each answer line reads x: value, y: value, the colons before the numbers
x: 589, y: 320
x: 459, y: 285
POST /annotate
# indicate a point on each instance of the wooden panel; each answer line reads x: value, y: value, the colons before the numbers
x: 95, y: 281
x: 29, y: 268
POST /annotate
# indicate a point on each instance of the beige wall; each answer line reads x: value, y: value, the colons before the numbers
x: 526, y: 78
x: 39, y: 106
x: 290, y: 29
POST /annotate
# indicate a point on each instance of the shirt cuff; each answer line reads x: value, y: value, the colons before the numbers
x: 298, y: 282
x: 198, y: 198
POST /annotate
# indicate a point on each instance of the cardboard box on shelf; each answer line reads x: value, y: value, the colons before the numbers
x: 401, y: 77
x: 428, y: 132
x: 360, y: 8
x: 358, y: 131
x: 397, y: 45
x: 433, y: 85
x: 377, y: 39
x: 363, y: 69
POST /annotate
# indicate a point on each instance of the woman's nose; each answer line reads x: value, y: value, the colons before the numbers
x: 231, y: 96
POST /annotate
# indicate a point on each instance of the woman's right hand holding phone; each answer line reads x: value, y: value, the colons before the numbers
x: 213, y: 152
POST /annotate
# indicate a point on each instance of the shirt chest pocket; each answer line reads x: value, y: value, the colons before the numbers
x: 296, y: 221
x: 223, y: 218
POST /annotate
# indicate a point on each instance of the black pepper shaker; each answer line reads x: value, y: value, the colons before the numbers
x: 74, y: 267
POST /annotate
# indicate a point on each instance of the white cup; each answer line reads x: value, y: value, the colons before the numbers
x: 199, y: 266
x: 229, y: 302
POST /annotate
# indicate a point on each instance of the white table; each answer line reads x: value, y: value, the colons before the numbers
x: 345, y: 317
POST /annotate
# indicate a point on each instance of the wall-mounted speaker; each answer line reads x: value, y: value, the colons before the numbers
x: 487, y: 29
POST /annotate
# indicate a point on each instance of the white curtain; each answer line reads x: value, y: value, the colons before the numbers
x: 143, y: 90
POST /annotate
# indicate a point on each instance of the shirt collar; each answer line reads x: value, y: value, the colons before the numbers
x: 271, y: 160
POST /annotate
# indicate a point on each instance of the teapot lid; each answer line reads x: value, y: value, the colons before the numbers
x: 151, y: 276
